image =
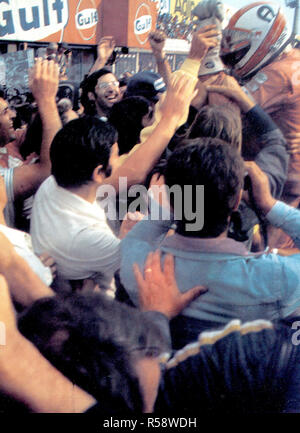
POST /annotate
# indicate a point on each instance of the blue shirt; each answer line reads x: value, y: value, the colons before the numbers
x: 241, y: 284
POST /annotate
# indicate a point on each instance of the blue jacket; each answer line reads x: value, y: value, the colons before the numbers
x: 241, y: 284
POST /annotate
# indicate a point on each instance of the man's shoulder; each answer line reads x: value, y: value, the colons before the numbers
x: 95, y: 236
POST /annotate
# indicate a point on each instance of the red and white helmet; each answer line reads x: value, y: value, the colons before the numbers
x: 253, y: 36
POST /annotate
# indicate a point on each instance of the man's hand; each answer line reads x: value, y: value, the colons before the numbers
x: 294, y: 143
x: 43, y: 80
x: 157, y: 41
x: 236, y: 93
x: 105, y: 48
x: 202, y: 41
x: 158, y: 290
x: 181, y: 91
x: 260, y: 187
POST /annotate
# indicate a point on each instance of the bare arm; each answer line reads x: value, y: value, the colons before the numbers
x: 157, y: 41
x: 27, y: 376
x: 139, y: 163
x: 3, y: 201
x: 44, y: 85
x: 104, y: 51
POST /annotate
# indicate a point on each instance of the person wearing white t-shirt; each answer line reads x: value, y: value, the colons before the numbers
x: 66, y: 219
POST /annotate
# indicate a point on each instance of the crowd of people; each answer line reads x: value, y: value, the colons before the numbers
x: 175, y: 28
x: 150, y: 231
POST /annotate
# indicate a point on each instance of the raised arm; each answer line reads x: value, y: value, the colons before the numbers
x: 44, y: 85
x: 157, y: 41
x: 273, y: 156
x: 201, y: 42
x: 105, y: 49
x: 139, y: 163
x: 277, y: 213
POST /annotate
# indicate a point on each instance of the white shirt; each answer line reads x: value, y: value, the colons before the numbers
x: 23, y: 246
x: 75, y: 233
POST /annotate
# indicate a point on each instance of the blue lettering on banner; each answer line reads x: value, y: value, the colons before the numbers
x: 46, y: 13
x: 28, y: 18
x: 58, y: 7
x: 87, y: 19
x: 7, y: 17
x: 34, y: 24
x: 143, y: 24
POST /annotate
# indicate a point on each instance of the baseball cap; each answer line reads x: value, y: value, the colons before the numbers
x: 147, y: 84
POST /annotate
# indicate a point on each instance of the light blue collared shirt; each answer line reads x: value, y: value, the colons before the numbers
x: 241, y: 284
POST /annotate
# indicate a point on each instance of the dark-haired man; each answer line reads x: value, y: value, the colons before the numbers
x: 72, y: 226
x: 241, y: 284
x: 100, y: 91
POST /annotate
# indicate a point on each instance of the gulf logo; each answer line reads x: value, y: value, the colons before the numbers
x: 142, y: 23
x: 86, y: 19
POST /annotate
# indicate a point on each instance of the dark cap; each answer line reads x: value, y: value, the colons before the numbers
x: 147, y: 84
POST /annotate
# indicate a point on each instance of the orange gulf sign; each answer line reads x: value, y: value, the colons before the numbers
x: 130, y: 21
x: 73, y: 21
x: 84, y: 17
x: 78, y: 21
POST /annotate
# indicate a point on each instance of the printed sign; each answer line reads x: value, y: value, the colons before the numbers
x: 130, y: 21
x: 32, y: 20
x: 72, y: 21
x: 78, y: 21
x: 142, y: 23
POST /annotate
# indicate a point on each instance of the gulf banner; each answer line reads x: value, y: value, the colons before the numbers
x: 129, y: 21
x: 78, y: 21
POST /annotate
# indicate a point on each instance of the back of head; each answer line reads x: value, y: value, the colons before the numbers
x: 217, y: 121
x: 78, y: 148
x: 126, y: 116
x: 219, y: 168
x: 254, y: 36
x: 146, y: 84
x: 88, y: 85
x: 94, y: 340
x: 64, y: 105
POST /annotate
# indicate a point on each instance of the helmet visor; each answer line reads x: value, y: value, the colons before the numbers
x: 231, y: 59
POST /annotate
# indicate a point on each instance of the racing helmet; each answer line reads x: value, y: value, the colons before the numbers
x: 254, y: 36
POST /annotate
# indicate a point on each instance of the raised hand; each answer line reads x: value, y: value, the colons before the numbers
x: 105, y: 48
x: 43, y: 80
x: 157, y: 41
x: 260, y: 187
x: 203, y: 40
